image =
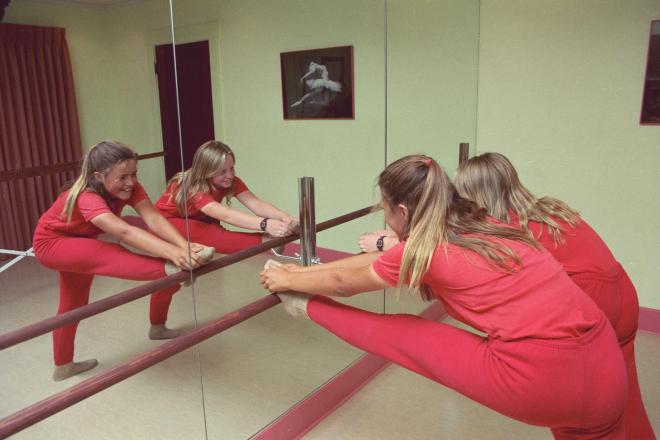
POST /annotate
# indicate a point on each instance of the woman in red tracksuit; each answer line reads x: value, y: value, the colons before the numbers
x: 492, y: 182
x: 549, y: 357
x: 210, y: 180
x: 66, y: 240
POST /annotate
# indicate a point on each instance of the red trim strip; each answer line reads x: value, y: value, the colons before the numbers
x: 649, y: 320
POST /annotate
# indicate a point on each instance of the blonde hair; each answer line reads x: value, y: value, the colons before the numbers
x: 438, y: 215
x: 209, y: 158
x: 100, y: 158
x: 492, y: 182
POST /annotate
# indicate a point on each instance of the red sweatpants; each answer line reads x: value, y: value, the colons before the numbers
x: 616, y: 296
x: 78, y: 259
x: 213, y: 234
x: 577, y: 387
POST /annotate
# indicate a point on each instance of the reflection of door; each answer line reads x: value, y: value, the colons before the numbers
x: 195, y: 101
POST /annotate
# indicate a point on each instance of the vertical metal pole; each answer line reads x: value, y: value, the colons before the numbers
x: 463, y: 152
x: 307, y: 221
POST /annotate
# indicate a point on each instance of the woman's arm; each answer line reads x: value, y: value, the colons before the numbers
x: 159, y: 224
x: 274, y: 227
x: 351, y: 262
x: 326, y: 282
x: 145, y: 241
x: 368, y: 242
x: 263, y: 208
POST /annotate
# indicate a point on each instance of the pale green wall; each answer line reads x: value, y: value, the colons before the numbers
x: 431, y: 57
x: 560, y: 87
x: 432, y: 67
x: 343, y: 156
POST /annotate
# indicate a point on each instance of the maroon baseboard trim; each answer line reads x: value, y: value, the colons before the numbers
x: 649, y: 320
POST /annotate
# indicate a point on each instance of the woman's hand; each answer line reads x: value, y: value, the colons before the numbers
x: 292, y: 223
x: 183, y: 259
x: 275, y: 279
x: 277, y: 228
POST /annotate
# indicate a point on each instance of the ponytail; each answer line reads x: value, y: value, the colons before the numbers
x: 437, y: 215
x: 492, y: 182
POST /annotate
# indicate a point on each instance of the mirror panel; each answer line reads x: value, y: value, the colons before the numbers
x: 432, y: 73
x: 112, y: 57
x: 267, y: 359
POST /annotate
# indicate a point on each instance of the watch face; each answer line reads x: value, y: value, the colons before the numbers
x: 379, y: 243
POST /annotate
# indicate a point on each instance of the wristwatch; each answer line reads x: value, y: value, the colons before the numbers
x: 379, y: 243
x: 263, y: 224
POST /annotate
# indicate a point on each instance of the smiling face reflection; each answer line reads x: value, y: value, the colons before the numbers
x: 120, y: 179
x: 224, y: 177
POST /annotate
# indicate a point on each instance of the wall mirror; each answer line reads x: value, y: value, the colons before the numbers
x: 414, y: 91
x: 112, y: 51
x: 272, y: 359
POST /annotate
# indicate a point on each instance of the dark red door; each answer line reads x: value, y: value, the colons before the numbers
x: 193, y: 70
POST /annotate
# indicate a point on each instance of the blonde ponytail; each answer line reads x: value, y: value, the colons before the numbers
x: 437, y: 215
x: 492, y: 182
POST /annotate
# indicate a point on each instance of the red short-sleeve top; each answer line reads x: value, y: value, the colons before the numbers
x: 537, y: 301
x: 581, y: 251
x: 88, y: 205
x: 166, y: 204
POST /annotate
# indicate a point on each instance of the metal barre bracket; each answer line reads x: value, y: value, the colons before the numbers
x: 307, y: 255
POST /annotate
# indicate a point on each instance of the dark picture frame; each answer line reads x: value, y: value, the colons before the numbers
x: 650, y: 114
x: 318, y: 83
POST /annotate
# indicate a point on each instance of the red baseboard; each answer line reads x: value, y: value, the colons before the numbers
x: 649, y: 320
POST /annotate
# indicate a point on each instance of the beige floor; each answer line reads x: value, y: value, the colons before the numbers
x: 250, y: 374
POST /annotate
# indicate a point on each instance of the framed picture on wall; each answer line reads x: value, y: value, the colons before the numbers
x: 318, y: 83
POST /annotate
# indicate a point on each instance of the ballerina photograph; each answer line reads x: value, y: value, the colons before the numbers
x: 318, y: 84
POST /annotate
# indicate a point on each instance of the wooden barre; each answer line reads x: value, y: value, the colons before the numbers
x: 70, y: 396
x: 11, y: 175
x: 42, y: 327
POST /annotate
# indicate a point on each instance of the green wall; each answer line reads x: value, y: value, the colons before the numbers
x: 559, y: 91
x: 560, y: 87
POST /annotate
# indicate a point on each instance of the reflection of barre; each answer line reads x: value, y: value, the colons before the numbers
x: 57, y: 402
x: 42, y: 327
x: 20, y: 256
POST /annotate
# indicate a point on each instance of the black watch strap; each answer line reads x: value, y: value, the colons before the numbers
x: 263, y: 224
x: 380, y: 242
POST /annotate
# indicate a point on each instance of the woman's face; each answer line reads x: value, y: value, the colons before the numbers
x: 396, y: 217
x: 224, y: 177
x: 120, y: 179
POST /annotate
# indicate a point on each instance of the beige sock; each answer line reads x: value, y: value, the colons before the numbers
x: 72, y: 368
x: 171, y: 269
x: 206, y: 254
x: 295, y: 303
x: 157, y: 332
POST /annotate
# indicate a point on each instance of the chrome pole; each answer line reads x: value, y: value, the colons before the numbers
x: 307, y: 221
